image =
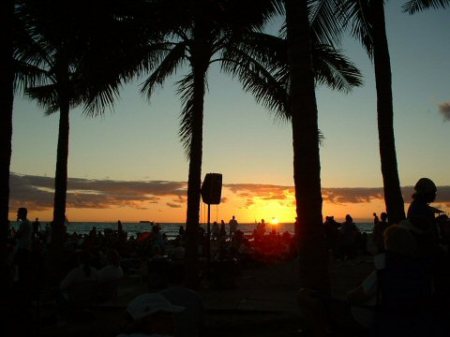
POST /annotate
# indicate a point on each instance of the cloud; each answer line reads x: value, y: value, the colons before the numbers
x: 352, y: 195
x: 36, y: 192
x: 262, y: 191
x: 172, y: 205
x: 444, y: 109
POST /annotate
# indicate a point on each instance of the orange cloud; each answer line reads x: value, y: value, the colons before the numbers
x: 168, y: 198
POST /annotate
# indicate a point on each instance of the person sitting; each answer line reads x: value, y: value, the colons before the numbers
x: 422, y: 215
x: 109, y: 277
x: 150, y: 315
x: 78, y: 288
x: 189, y: 322
x: 368, y: 306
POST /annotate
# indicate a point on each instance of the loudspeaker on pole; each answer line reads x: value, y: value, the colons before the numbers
x: 212, y: 188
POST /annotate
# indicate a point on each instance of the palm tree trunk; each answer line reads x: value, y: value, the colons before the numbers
x: 6, y: 110
x: 6, y: 114
x: 391, y: 182
x: 313, y: 255
x: 199, y: 66
x: 59, y: 205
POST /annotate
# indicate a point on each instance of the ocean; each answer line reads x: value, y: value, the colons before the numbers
x: 171, y: 229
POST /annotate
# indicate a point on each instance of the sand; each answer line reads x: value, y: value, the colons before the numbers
x: 262, y: 303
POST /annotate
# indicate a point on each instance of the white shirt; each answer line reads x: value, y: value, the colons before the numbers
x: 110, y: 273
x: 77, y: 275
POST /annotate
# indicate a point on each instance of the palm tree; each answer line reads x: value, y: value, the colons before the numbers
x: 66, y: 42
x: 201, y: 29
x: 368, y: 25
x: 302, y: 107
x: 209, y: 30
x: 286, y: 84
x: 197, y: 43
x: 6, y: 109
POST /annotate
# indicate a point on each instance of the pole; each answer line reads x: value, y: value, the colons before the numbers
x: 208, y: 236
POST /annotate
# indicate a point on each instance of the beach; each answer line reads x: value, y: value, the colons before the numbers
x: 262, y: 302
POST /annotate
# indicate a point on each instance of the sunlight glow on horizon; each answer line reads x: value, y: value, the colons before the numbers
x: 246, y: 207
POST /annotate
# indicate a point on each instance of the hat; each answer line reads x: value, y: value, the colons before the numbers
x: 148, y: 304
x: 425, y: 186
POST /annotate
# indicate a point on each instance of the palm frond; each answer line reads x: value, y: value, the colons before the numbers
x: 46, y: 96
x: 414, y: 6
x: 333, y: 69
x: 28, y: 75
x: 266, y: 82
x: 357, y: 15
x: 325, y: 24
x: 186, y: 92
x: 265, y: 48
x: 171, y: 60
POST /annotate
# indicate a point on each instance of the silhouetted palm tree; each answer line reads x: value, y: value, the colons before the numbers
x: 368, y: 25
x: 302, y: 107
x: 14, y: 76
x: 201, y: 29
x: 6, y: 109
x: 282, y: 75
x: 66, y: 42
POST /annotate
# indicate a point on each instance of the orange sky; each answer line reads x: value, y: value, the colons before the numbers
x: 165, y: 201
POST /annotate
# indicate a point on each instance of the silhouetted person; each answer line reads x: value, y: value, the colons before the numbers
x: 109, y: 276
x: 348, y: 238
x: 24, y: 243
x: 36, y: 227
x: 376, y: 219
x: 421, y: 214
x: 332, y: 233
x: 190, y: 321
x: 150, y: 315
x: 181, y: 231
x: 378, y: 231
x: 223, y: 231
x: 215, y: 230
x: 233, y: 225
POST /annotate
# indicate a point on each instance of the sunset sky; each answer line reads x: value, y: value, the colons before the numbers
x: 130, y: 165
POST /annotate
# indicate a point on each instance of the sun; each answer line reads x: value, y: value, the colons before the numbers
x: 274, y: 221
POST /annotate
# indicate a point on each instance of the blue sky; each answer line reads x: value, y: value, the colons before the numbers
x: 139, y: 141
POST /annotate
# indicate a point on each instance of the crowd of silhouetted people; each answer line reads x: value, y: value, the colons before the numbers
x: 408, y: 291
x: 410, y: 281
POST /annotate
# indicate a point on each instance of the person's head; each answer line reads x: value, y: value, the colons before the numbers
x: 348, y: 218
x: 383, y: 216
x: 425, y: 189
x: 399, y: 239
x: 152, y: 313
x: 22, y: 213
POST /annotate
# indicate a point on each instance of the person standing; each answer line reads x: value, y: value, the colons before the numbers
x: 378, y: 231
x: 24, y: 242
x: 233, y: 225
x: 36, y: 227
x: 215, y: 230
